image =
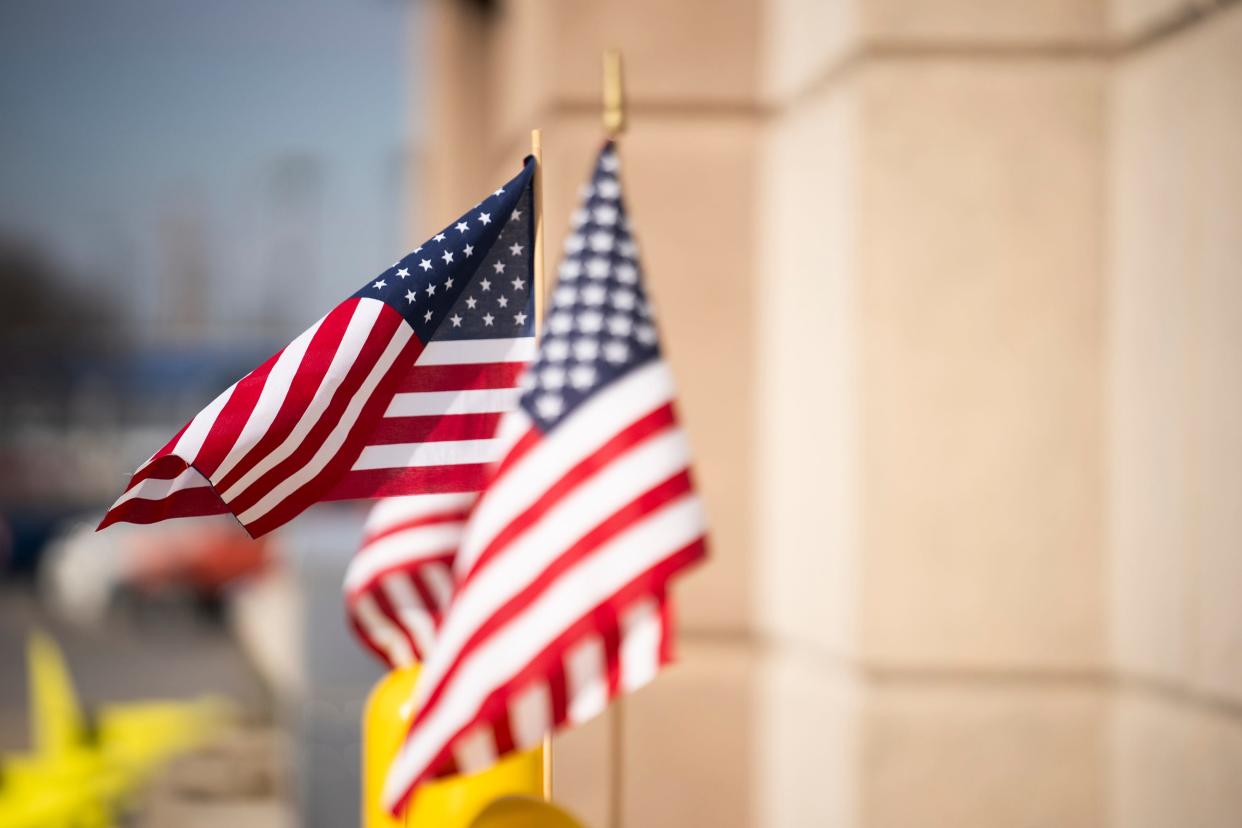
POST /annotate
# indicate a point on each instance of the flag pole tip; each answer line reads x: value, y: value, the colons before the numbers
x: 614, y: 93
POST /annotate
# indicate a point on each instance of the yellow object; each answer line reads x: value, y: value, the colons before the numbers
x: 76, y: 779
x: 523, y: 812
x: 450, y: 803
x: 57, y: 725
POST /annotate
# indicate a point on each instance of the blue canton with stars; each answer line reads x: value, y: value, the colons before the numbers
x: 499, y: 300
x: 599, y: 324
x: 472, y: 280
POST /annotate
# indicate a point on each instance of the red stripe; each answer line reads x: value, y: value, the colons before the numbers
x: 434, y: 428
x: 455, y: 516
x: 194, y: 502
x: 165, y: 467
x: 652, y: 581
x: 502, y: 735
x: 640, y: 507
x: 523, y: 445
x: 558, y: 692
x: 306, y: 381
x: 650, y: 424
x: 377, y: 340
x: 406, y: 566
x: 424, y: 592
x: 232, y: 418
x: 404, y: 481
x: 317, y: 487
x: 163, y: 452
x: 610, y: 631
x: 461, y: 377
x: 390, y: 612
x: 668, y: 620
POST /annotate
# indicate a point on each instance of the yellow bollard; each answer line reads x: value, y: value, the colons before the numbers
x: 57, y: 725
x: 74, y: 780
x: 524, y: 812
x: 449, y: 803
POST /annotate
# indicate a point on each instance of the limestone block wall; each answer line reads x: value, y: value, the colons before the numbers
x: 1175, y: 411
x: 952, y: 294
x: 959, y: 149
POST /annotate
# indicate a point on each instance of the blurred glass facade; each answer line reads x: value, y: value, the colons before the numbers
x: 184, y: 187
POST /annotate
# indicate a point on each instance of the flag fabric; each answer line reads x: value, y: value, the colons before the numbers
x: 438, y: 433
x: 401, y: 580
x: 395, y: 391
x: 560, y: 597
x: 442, y: 427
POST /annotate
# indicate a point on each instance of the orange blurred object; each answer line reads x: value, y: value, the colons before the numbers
x: 205, y: 556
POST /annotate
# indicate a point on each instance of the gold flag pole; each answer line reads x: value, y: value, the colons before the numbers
x: 614, y: 94
x: 540, y: 291
x: 614, y: 125
x: 540, y: 284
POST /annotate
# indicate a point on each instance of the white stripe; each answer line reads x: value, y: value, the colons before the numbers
x: 576, y: 592
x: 438, y: 577
x: 382, y: 632
x: 270, y: 399
x: 401, y: 548
x: 410, y: 610
x: 360, y: 325
x: 439, y: 403
x: 191, y: 440
x: 586, y: 679
x: 475, y: 351
x: 329, y: 448
x: 475, y: 750
x: 512, y: 426
x: 157, y: 489
x: 642, y: 629
x: 417, y: 455
x: 392, y: 510
x: 530, y: 714
x: 526, y: 556
x: 585, y: 430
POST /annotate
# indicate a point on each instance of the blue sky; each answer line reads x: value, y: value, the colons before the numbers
x: 265, y: 138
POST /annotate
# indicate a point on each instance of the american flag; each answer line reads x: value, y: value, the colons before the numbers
x: 395, y: 391
x: 560, y: 599
x: 401, y: 579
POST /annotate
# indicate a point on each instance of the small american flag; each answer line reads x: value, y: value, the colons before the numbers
x: 401, y: 580
x: 396, y: 391
x: 560, y: 599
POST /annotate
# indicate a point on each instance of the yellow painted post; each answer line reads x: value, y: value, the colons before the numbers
x: 385, y: 721
x: 56, y: 721
x: 449, y: 803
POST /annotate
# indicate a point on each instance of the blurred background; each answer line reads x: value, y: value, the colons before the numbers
x: 185, y: 186
x: 952, y: 292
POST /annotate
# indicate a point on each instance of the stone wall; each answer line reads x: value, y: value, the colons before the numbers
x: 1175, y: 415
x: 952, y: 294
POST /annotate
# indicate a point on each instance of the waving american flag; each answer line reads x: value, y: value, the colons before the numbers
x: 400, y: 580
x: 395, y: 391
x: 560, y: 594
